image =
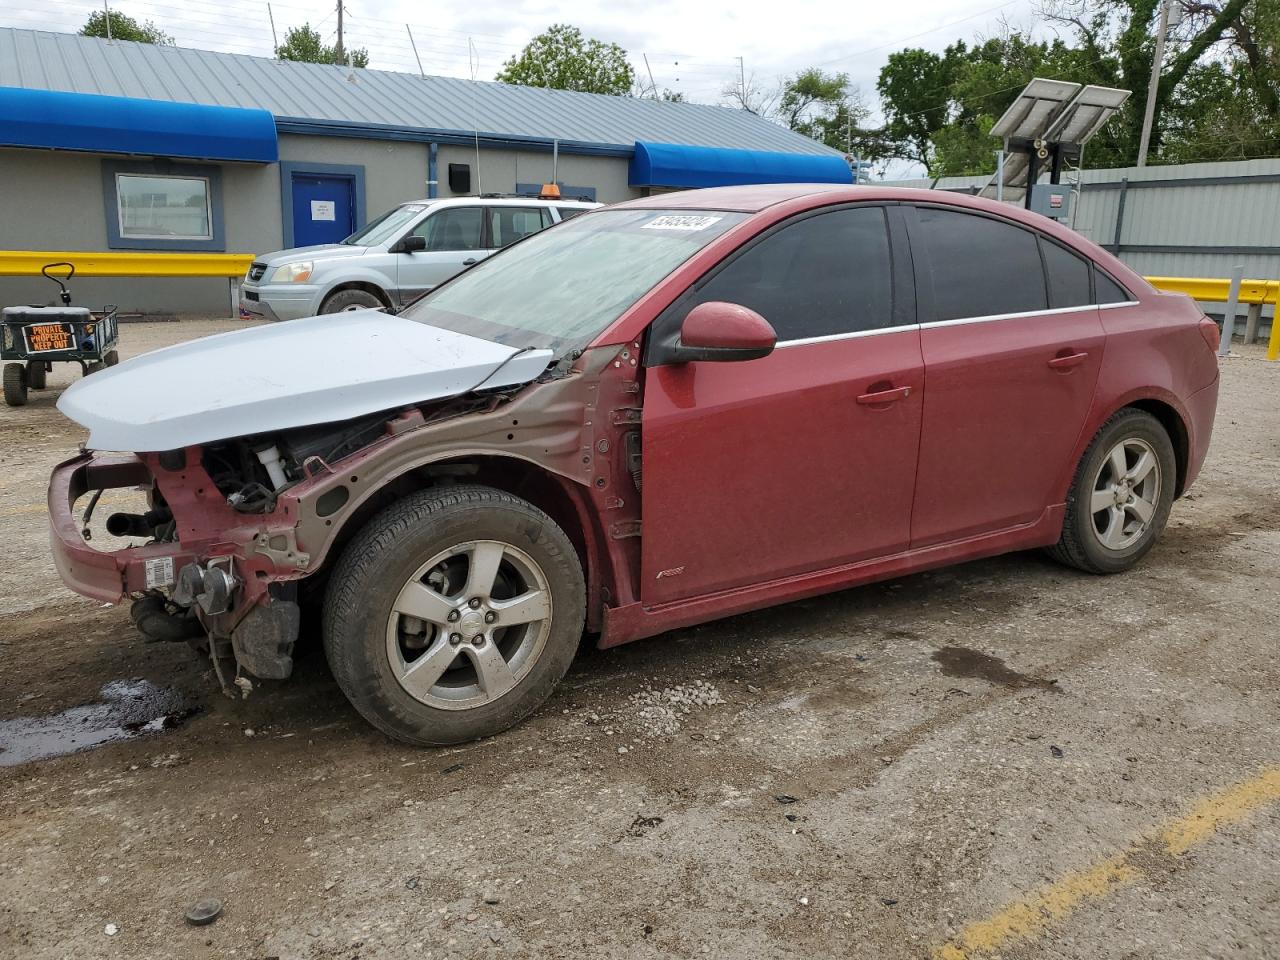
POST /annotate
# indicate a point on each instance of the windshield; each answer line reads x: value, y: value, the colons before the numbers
x: 386, y: 226
x: 559, y: 288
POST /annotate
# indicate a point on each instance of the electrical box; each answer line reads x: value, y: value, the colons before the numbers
x: 1051, y: 200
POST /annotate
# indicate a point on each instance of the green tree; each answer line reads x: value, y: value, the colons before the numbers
x: 305, y: 45
x: 123, y: 27
x: 563, y: 59
x: 939, y: 107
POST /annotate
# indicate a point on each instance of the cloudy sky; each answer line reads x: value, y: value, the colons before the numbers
x: 691, y: 46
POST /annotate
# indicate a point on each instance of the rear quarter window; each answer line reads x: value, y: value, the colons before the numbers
x: 1067, y: 275
x: 1107, y: 290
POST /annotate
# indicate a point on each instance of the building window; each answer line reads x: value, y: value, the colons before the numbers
x: 162, y: 206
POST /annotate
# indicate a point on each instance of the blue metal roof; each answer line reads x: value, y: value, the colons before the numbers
x: 682, y: 165
x: 81, y: 121
x: 314, y: 98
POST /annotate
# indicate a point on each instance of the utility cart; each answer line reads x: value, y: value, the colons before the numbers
x: 33, y: 339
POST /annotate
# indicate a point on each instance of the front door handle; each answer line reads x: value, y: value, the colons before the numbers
x: 884, y: 396
x: 469, y: 262
x: 1069, y: 361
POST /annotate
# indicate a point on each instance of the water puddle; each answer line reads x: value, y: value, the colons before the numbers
x: 970, y: 664
x: 129, y: 708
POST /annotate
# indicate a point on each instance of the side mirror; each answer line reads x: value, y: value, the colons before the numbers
x: 724, y: 331
x: 409, y: 244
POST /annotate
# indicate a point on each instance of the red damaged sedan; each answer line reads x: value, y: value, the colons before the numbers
x: 647, y: 417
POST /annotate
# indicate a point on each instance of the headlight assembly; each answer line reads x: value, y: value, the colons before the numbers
x: 292, y: 273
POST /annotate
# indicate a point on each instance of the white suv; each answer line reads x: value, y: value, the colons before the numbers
x: 398, y: 257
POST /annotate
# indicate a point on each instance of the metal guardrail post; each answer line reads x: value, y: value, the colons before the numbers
x: 1251, y: 320
x: 1229, y: 317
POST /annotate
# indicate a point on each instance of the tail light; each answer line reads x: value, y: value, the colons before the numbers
x: 1209, y: 330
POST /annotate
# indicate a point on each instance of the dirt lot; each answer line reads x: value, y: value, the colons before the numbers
x: 1001, y: 759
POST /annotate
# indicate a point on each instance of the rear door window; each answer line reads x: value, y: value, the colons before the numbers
x: 982, y: 267
x: 1067, y: 274
x: 509, y: 224
x: 825, y: 275
x: 454, y: 228
x: 568, y: 213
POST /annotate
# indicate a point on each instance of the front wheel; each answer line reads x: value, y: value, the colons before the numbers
x: 453, y: 614
x: 349, y: 300
x: 15, y: 384
x: 1121, y: 496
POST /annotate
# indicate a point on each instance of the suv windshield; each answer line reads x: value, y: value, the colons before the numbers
x: 386, y: 226
x: 562, y: 286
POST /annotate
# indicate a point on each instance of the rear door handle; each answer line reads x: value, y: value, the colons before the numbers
x: 885, y: 396
x: 1069, y: 361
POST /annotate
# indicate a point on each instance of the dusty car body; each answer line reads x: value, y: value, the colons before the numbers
x: 693, y: 468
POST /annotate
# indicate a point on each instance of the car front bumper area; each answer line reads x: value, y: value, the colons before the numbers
x: 279, y: 301
x: 108, y: 577
x: 231, y: 572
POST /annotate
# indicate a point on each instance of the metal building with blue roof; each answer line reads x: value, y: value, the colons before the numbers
x: 237, y: 150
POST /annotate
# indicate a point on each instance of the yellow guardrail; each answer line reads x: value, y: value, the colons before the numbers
x: 27, y: 263
x: 1216, y: 291
x: 1253, y: 292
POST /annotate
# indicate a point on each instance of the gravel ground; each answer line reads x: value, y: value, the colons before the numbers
x: 868, y: 774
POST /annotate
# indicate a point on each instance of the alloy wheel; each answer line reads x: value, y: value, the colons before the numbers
x: 469, y: 625
x: 1126, y: 492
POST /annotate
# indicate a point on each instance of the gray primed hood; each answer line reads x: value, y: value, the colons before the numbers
x: 275, y: 377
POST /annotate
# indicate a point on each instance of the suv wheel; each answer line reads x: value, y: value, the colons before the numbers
x: 1121, y: 497
x: 345, y: 300
x: 453, y: 614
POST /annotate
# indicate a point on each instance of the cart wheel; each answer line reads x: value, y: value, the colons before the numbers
x: 15, y: 384
x: 93, y: 367
x: 36, y: 373
x: 112, y: 358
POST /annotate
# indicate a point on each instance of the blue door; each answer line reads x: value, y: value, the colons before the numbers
x: 323, y: 209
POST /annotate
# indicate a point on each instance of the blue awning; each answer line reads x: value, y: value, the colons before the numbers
x: 681, y: 165
x: 83, y: 121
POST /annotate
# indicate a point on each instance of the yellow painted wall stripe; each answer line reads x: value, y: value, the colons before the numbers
x: 1029, y: 916
x: 27, y: 263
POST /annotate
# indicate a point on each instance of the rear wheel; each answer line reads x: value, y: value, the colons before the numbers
x: 1121, y: 497
x: 348, y: 300
x: 15, y: 384
x: 111, y: 358
x: 37, y: 370
x: 93, y: 367
x: 453, y: 614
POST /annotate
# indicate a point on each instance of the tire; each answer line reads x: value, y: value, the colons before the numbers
x: 420, y: 553
x: 37, y: 371
x: 345, y: 300
x: 94, y: 367
x: 111, y: 358
x: 15, y: 384
x: 1117, y: 534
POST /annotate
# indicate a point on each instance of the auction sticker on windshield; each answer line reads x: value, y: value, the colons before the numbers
x: 682, y: 222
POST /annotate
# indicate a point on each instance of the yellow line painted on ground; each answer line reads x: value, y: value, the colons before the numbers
x: 1025, y: 918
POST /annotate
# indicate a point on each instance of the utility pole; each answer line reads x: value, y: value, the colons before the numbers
x: 338, y: 55
x: 1154, y: 87
x: 275, y: 44
x: 653, y: 87
x: 742, y: 82
x: 107, y: 9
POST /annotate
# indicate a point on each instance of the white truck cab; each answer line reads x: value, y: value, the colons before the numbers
x: 396, y: 258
